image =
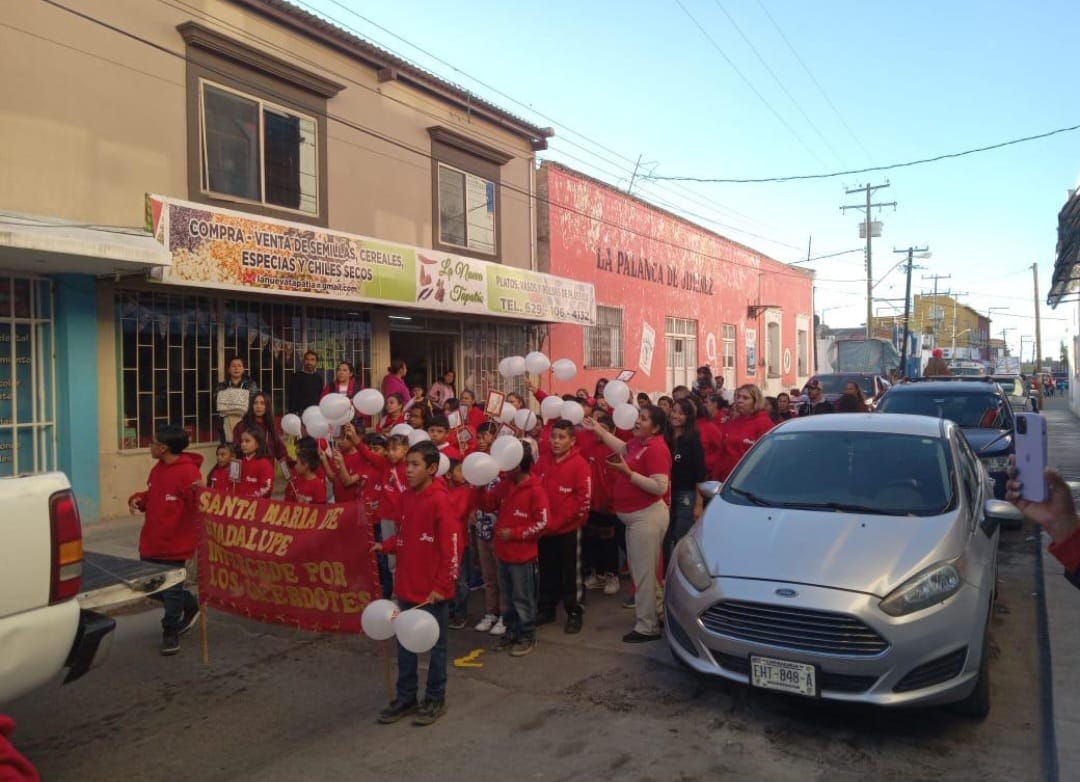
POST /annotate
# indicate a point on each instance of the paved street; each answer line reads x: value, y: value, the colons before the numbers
x: 281, y: 705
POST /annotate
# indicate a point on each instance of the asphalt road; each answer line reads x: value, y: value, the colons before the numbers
x: 278, y: 704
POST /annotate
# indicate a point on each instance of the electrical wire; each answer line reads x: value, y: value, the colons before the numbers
x: 748, y: 83
x: 262, y: 89
x: 890, y: 167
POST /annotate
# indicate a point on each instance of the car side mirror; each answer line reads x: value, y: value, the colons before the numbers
x: 710, y: 489
x: 997, y: 512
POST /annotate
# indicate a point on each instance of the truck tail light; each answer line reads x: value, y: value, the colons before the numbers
x: 67, y: 552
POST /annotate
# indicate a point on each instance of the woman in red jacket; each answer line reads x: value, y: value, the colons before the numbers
x: 393, y: 413
x: 749, y: 420
x: 261, y: 415
x: 256, y: 469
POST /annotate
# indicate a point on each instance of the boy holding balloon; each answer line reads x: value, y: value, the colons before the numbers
x: 426, y: 546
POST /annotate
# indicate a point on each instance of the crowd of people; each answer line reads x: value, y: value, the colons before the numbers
x: 585, y: 504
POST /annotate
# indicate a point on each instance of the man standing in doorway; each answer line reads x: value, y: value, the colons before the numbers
x: 305, y: 386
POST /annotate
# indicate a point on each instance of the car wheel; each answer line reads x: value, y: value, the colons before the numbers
x: 977, y: 704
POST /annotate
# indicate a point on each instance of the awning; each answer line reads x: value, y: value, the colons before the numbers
x: 45, y: 245
x: 1066, y: 274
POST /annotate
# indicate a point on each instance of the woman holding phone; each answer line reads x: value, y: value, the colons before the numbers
x: 640, y: 496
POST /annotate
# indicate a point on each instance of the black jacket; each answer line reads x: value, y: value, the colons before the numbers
x: 303, y: 390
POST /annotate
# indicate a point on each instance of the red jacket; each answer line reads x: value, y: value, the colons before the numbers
x: 426, y: 545
x: 218, y: 478
x: 475, y: 417
x: 596, y: 454
x: 354, y: 465
x: 256, y: 478
x: 523, y: 509
x: 171, y: 529
x: 386, y: 423
x: 461, y: 503
x: 451, y: 450
x: 739, y: 435
x: 568, y: 483
x: 712, y: 443
x: 307, y: 490
x: 14, y: 767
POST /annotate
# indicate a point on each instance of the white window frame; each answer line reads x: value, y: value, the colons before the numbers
x: 728, y: 354
x: 773, y: 349
x: 591, y: 333
x: 682, y: 330
x: 204, y: 156
x: 494, y: 252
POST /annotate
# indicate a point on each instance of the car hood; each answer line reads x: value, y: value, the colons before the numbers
x: 852, y: 551
x: 988, y: 442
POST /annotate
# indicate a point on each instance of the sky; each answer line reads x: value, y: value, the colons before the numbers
x: 764, y: 88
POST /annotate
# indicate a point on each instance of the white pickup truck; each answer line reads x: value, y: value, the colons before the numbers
x: 48, y: 586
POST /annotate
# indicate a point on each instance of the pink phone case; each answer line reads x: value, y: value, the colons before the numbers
x: 1031, y: 455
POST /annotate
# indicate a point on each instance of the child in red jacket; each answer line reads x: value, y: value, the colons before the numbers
x: 462, y: 504
x: 566, y: 478
x: 484, y: 524
x: 221, y: 474
x: 426, y: 547
x: 523, y: 512
x: 305, y: 485
x: 601, y: 534
x: 171, y: 530
x: 256, y: 469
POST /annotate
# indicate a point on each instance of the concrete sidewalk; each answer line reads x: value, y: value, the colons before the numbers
x: 1063, y: 599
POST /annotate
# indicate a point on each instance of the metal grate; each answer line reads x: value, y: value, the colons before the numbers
x: 793, y: 628
x: 483, y: 346
x: 934, y: 672
x: 604, y: 341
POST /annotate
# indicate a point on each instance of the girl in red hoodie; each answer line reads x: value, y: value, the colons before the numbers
x: 256, y: 469
x: 426, y: 548
x: 171, y: 530
x: 602, y: 541
x: 305, y: 485
x: 747, y: 424
x: 220, y: 475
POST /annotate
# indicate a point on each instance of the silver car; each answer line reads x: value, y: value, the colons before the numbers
x: 849, y: 557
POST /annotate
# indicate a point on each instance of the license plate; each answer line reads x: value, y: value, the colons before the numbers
x: 783, y: 675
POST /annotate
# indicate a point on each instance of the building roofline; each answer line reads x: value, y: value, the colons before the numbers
x: 809, y: 273
x: 390, y: 67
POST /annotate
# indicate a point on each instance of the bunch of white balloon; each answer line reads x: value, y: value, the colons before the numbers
x: 416, y: 629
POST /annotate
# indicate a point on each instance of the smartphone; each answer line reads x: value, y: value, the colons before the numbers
x: 1031, y: 455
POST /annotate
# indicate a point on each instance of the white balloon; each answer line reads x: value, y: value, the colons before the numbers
x: 624, y: 415
x: 318, y: 428
x: 564, y: 369
x: 334, y: 406
x: 550, y: 407
x: 444, y: 465
x: 507, y: 414
x: 507, y: 452
x: 515, y: 366
x: 290, y: 424
x: 418, y: 436
x: 401, y: 429
x: 369, y: 401
x: 480, y: 469
x: 377, y: 619
x: 343, y: 419
x: 572, y: 412
x: 504, y: 367
x: 537, y: 363
x: 417, y: 630
x: 616, y: 393
x: 311, y: 415
x: 525, y: 419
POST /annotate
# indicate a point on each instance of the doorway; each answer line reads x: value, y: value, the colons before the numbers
x: 427, y: 356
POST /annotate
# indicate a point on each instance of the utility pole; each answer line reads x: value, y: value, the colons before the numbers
x: 869, y: 190
x: 1038, y: 332
x: 633, y: 176
x: 935, y: 278
x: 907, y: 304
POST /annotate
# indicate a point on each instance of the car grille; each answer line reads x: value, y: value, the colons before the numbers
x: 934, y: 672
x: 833, y: 682
x: 793, y: 628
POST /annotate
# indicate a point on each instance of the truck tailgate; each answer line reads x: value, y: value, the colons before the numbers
x: 109, y: 581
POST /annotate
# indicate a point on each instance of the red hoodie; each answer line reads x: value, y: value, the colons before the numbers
x: 603, y: 479
x: 426, y: 545
x: 354, y: 465
x: 450, y: 450
x: 171, y: 529
x: 256, y: 478
x: 461, y: 503
x: 311, y: 491
x: 218, y: 478
x: 568, y: 483
x: 739, y: 435
x: 14, y: 767
x: 523, y: 509
x: 712, y: 443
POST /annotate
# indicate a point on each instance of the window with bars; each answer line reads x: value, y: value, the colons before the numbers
x: 604, y: 341
x: 483, y: 346
x: 171, y: 347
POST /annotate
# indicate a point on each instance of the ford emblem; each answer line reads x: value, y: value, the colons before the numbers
x: 786, y: 593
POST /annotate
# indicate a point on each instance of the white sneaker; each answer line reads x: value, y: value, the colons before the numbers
x: 499, y: 629
x: 594, y: 581
x: 485, y: 624
x: 611, y: 584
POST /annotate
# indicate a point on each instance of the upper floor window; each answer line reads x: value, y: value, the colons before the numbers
x: 466, y: 210
x: 257, y: 151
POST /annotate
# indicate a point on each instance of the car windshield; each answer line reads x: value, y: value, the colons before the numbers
x: 858, y: 472
x: 971, y: 411
x: 1008, y: 385
x: 834, y: 384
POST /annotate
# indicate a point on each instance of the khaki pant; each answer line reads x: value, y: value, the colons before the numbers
x: 645, y: 530
x: 489, y: 568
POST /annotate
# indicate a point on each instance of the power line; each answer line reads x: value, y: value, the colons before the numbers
x: 907, y: 164
x: 817, y: 84
x: 263, y: 89
x: 830, y: 255
x: 779, y: 83
x: 748, y: 83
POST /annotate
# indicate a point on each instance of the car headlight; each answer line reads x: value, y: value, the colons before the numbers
x: 996, y: 463
x: 930, y: 587
x: 692, y: 564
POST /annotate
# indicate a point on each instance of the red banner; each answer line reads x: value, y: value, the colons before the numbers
x: 304, y: 566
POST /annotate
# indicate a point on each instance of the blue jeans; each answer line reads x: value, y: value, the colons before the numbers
x: 517, y: 592
x: 176, y: 599
x: 386, y: 578
x: 460, y: 608
x: 407, y: 681
x: 682, y: 519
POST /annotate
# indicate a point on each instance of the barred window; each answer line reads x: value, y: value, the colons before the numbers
x: 483, y: 346
x: 604, y: 341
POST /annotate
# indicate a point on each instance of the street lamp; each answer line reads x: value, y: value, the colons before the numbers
x: 954, y: 336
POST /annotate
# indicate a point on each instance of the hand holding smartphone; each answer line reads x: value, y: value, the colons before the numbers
x: 1031, y: 456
